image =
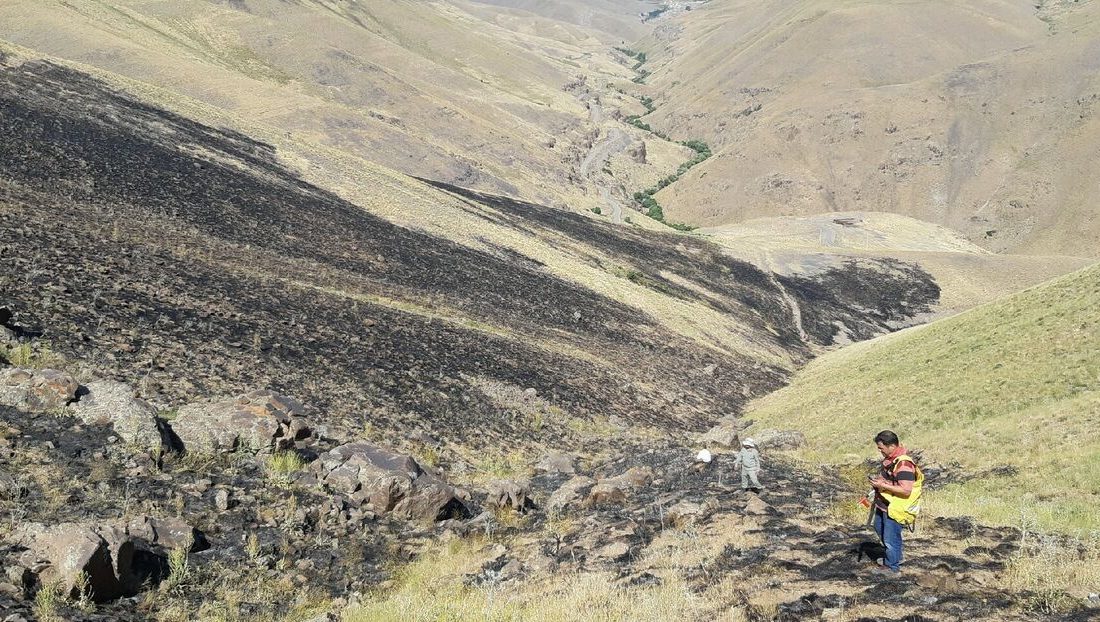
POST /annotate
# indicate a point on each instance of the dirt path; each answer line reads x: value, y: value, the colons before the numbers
x: 616, y: 207
x: 615, y: 141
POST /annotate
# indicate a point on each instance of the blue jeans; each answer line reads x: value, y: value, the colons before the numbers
x: 889, y: 532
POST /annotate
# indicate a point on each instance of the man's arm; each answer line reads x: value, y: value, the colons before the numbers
x: 906, y: 475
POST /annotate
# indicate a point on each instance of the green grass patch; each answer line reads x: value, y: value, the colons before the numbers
x: 1015, y: 382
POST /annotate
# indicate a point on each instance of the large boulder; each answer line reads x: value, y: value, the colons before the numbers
x: 725, y: 434
x: 570, y: 494
x: 167, y: 533
x: 261, y: 421
x: 510, y: 493
x: 107, y: 402
x: 388, y: 482
x: 36, y: 391
x: 103, y: 554
x: 779, y: 439
x: 614, y: 490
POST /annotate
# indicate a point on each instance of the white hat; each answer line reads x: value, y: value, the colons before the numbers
x: 748, y: 442
x: 702, y: 456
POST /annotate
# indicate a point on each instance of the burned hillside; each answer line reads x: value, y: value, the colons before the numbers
x: 147, y: 244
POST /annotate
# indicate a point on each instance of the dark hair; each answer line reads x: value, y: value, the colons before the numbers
x: 886, y: 437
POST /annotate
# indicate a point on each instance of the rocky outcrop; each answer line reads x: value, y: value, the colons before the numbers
x: 387, y: 482
x: 113, y: 403
x: 167, y: 533
x: 63, y: 552
x: 261, y: 421
x: 36, y: 390
x: 557, y: 462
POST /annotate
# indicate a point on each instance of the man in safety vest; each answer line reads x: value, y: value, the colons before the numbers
x: 897, y: 493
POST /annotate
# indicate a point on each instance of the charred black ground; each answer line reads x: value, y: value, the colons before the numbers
x: 150, y: 244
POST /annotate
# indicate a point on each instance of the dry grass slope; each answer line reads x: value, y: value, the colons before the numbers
x: 1015, y: 384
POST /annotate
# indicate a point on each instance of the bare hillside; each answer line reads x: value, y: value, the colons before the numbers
x: 978, y: 116
x: 455, y: 92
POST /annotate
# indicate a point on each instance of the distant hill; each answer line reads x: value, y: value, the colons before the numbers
x: 979, y: 116
x: 1010, y: 391
x: 464, y: 93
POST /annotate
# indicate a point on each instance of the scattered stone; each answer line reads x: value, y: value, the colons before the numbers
x: 36, y: 391
x: 606, y: 492
x: 725, y: 434
x: 758, y: 507
x: 261, y: 421
x: 388, y: 482
x: 616, y: 551
x: 638, y: 152
x: 686, y: 513
x: 221, y: 500
x: 112, y: 403
x: 938, y: 582
x: 613, y: 490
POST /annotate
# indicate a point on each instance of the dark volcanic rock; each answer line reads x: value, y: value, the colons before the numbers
x: 113, y: 403
x: 388, y: 482
x: 104, y: 554
x: 261, y: 421
x: 46, y: 389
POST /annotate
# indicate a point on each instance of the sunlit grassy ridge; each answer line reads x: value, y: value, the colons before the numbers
x: 1015, y: 382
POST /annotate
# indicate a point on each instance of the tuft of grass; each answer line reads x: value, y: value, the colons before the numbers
x: 427, y: 455
x: 252, y: 546
x: 1013, y: 383
x: 432, y: 588
x: 83, y: 588
x: 32, y: 357
x: 1050, y: 567
x: 501, y: 466
x: 281, y: 464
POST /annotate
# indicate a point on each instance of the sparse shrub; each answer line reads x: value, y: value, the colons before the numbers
x: 427, y: 455
x: 178, y: 568
x: 46, y: 602
x: 596, y: 210
x: 84, y: 593
x: 26, y: 355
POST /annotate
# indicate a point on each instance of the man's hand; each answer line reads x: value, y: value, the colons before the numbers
x: 879, y: 483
